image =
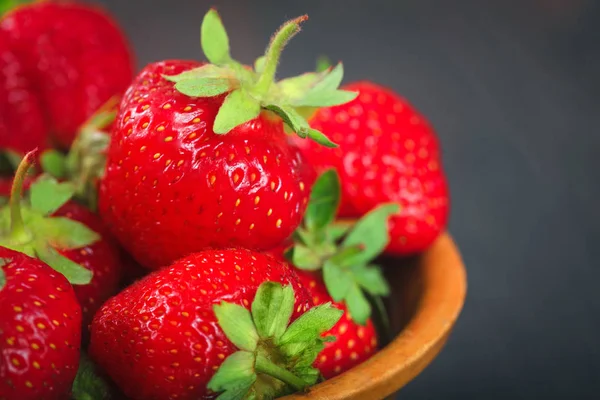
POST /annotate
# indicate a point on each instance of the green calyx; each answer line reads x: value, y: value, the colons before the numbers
x: 28, y: 226
x: 7, y: 5
x: 343, y: 252
x: 84, y: 165
x: 275, y: 357
x: 3, y: 262
x: 88, y: 385
x: 249, y: 91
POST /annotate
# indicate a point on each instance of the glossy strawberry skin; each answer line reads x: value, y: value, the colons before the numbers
x: 40, y: 330
x: 77, y: 57
x: 159, y: 338
x: 22, y: 125
x: 103, y: 257
x: 387, y: 152
x: 173, y: 187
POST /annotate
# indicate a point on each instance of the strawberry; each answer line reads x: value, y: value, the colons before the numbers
x: 387, y: 152
x: 63, y: 234
x: 214, y: 321
x: 22, y: 125
x: 76, y: 56
x: 198, y: 155
x: 354, y: 343
x: 40, y: 330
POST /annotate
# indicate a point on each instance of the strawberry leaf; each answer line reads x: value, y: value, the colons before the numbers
x: 7, y: 5
x: 238, y: 108
x: 303, y: 236
x: 65, y: 233
x: 326, y: 99
x: 204, y: 87
x: 331, y: 80
x: 358, y: 306
x: 75, y: 273
x: 205, y: 71
x: 338, y: 230
x: 3, y: 262
x: 324, y: 201
x: 309, y: 374
x: 272, y: 308
x: 296, y: 87
x: 235, y: 376
x: 48, y: 195
x: 371, y: 279
x: 214, y: 39
x: 345, y: 255
x: 88, y: 385
x: 54, y: 163
x: 237, y: 325
x: 337, y: 280
x: 299, y: 124
x: 308, y: 328
x: 316, y: 89
x: 305, y: 258
x: 371, y: 232
x: 325, y: 92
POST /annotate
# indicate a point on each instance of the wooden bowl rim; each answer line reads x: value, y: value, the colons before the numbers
x: 443, y: 296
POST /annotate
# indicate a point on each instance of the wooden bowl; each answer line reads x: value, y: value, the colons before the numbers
x: 428, y: 295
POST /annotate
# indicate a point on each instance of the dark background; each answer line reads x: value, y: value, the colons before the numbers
x: 513, y: 89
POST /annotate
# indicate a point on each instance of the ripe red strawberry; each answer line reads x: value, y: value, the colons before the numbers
x: 22, y: 125
x: 354, y: 343
x: 40, y: 330
x: 166, y: 335
x: 195, y: 161
x: 388, y: 152
x: 88, y: 243
x: 76, y: 55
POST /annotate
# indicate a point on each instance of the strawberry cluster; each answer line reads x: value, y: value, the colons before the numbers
x: 200, y: 230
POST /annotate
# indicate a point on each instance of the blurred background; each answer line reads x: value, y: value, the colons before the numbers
x: 513, y: 89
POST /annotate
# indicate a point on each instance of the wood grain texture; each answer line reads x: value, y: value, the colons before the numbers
x: 428, y: 295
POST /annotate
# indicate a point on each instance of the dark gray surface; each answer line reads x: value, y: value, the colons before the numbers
x: 513, y: 90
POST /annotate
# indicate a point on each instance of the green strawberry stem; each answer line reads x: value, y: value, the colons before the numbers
x: 18, y: 233
x: 264, y: 366
x: 278, y: 42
